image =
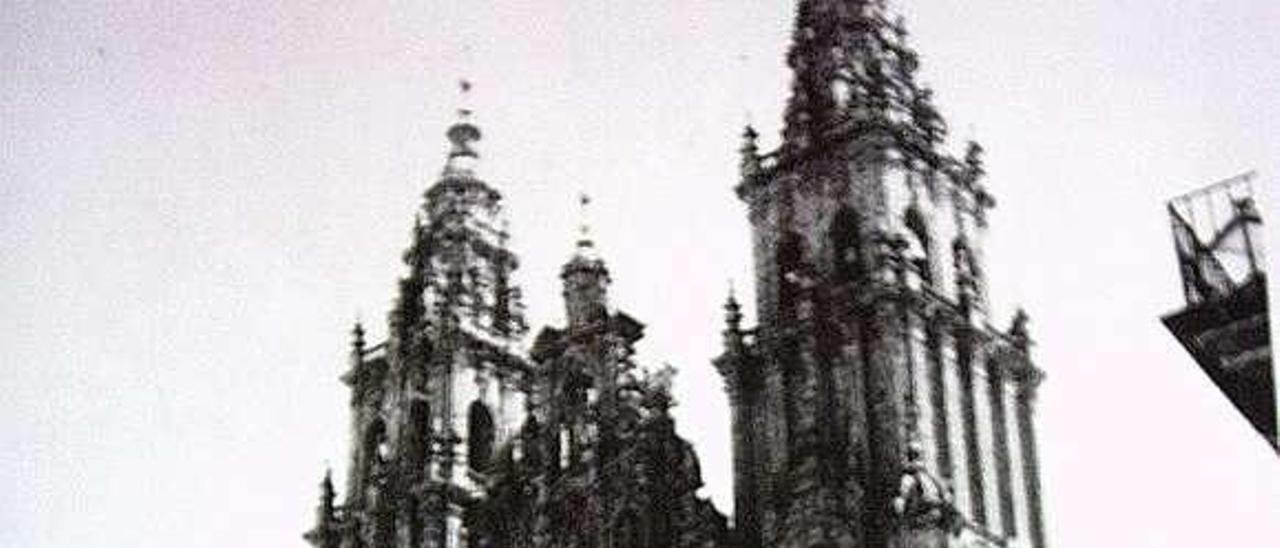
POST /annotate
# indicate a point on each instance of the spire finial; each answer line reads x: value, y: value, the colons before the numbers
x: 357, y: 336
x: 750, y: 161
x: 732, y: 310
x: 1018, y: 328
x: 973, y: 158
x: 585, y: 276
x: 464, y: 96
x: 749, y: 136
x: 463, y: 135
x: 584, y: 254
x: 584, y: 243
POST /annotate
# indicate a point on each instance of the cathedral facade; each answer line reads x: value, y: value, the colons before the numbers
x: 873, y: 403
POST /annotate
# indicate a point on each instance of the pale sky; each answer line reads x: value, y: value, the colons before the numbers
x: 196, y: 201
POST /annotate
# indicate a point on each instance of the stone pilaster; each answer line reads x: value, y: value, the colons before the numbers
x: 957, y: 428
x: 887, y: 382
x: 986, y: 437
x: 1004, y: 483
x: 936, y: 341
x: 1031, y: 461
x: 1017, y: 460
x: 977, y: 500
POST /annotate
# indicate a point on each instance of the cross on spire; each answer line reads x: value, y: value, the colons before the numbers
x: 464, y: 96
x: 584, y: 225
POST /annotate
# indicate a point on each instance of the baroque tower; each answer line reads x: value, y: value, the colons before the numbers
x: 874, y: 404
x: 598, y: 462
x: 430, y: 405
x: 460, y: 439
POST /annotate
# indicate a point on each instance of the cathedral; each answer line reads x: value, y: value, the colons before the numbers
x: 873, y: 403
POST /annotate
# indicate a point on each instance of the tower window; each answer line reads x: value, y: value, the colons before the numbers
x: 918, y: 245
x: 480, y: 437
x: 420, y: 419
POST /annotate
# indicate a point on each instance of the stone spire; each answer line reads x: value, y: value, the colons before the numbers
x: 460, y: 266
x: 851, y: 63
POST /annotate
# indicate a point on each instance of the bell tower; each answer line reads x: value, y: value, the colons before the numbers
x: 873, y: 404
x: 432, y: 404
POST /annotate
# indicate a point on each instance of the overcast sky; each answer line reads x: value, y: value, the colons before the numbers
x: 196, y: 201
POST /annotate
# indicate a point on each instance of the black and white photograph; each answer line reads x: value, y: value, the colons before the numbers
x: 663, y: 274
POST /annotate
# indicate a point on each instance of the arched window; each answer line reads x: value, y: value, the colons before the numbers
x: 480, y: 437
x: 846, y: 245
x: 420, y: 426
x: 918, y: 244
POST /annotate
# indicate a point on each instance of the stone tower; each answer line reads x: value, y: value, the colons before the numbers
x: 598, y: 462
x: 461, y: 440
x: 430, y: 405
x: 874, y: 404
